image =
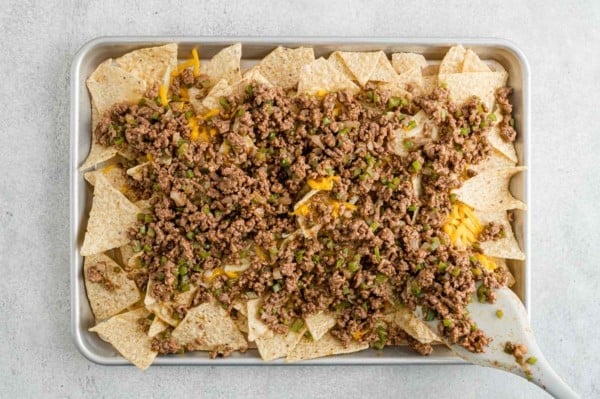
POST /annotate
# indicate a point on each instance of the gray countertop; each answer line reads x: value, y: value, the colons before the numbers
x: 37, y: 355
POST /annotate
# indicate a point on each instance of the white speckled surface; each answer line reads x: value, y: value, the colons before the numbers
x: 37, y: 356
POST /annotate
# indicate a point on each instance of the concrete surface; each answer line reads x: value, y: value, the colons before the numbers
x: 39, y: 38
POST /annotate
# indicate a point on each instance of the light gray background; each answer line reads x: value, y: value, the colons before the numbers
x: 39, y: 38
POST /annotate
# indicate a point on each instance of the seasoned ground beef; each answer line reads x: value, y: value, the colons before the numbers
x: 225, y: 190
x: 491, y: 232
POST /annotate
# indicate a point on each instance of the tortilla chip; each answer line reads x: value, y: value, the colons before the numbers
x: 137, y: 172
x: 338, y: 63
x: 416, y: 134
x: 273, y: 346
x: 150, y: 64
x: 489, y: 191
x: 320, y: 75
x: 328, y: 345
x: 241, y: 322
x: 128, y: 257
x: 110, y: 84
x: 501, y: 263
x: 462, y: 86
x: 128, y: 337
x: 225, y: 65
x: 209, y: 327
x: 360, y: 64
x: 116, y: 176
x: 453, y: 60
x: 256, y: 328
x: 496, y: 160
x: 108, y: 302
x: 319, y: 324
x: 406, y: 320
x: 251, y: 76
x: 404, y: 62
x: 221, y: 89
x: 429, y: 84
x: 282, y: 66
x: 164, y: 310
x: 384, y: 71
x: 157, y: 327
x: 98, y: 154
x: 506, y: 247
x: 110, y: 219
x: 505, y: 147
x: 472, y: 63
x: 411, y: 79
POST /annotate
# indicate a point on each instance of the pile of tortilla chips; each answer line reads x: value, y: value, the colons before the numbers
x: 116, y: 302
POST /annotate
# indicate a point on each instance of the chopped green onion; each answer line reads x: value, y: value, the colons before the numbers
x: 474, y: 327
x: 442, y: 266
x: 416, y: 166
x: 408, y: 144
x: 380, y: 278
x: 183, y: 270
x: 447, y: 322
x: 143, y: 229
x: 299, y: 255
x: 344, y: 131
x: 413, y: 208
x: 377, y: 254
x: 339, y: 263
x: 532, y: 360
x: 297, y: 325
x: 326, y: 121
x: 160, y: 276
x: 455, y: 272
x: 499, y: 313
x: 416, y: 289
x: 184, y: 287
x: 189, y: 173
x: 272, y: 136
x: 276, y: 287
x: 286, y: 163
x: 189, y: 114
x: 492, y: 117
x: 353, y: 266
x: 393, y: 102
x: 224, y: 103
x: 412, y: 124
x: 190, y: 235
x: 240, y: 112
x: 155, y: 116
x: 374, y: 226
x: 429, y: 315
x: 434, y: 244
x: 150, y: 233
x: 148, y: 218
x: 249, y: 90
x: 464, y: 131
x: 119, y: 140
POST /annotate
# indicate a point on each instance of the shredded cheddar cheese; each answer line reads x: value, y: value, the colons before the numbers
x: 211, y: 113
x: 195, y: 62
x: 323, y: 183
x: 302, y: 210
x: 150, y: 157
x: 486, y: 262
x: 357, y: 335
x: 321, y: 93
x: 462, y: 225
x: 107, y: 169
x: 162, y: 92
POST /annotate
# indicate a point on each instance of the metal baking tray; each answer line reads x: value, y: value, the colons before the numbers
x: 97, y: 50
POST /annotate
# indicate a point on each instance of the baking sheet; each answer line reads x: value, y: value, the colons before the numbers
x: 98, y: 50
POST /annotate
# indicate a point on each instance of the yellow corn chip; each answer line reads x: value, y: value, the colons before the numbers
x: 128, y: 337
x: 320, y: 75
x: 112, y: 295
x: 505, y: 247
x: 328, y: 345
x: 225, y: 65
x: 489, y: 191
x: 150, y: 64
x: 111, y: 217
x: 320, y: 323
x: 282, y: 66
x: 404, y: 62
x: 406, y: 320
x: 473, y: 63
x: 453, y: 60
x: 209, y: 327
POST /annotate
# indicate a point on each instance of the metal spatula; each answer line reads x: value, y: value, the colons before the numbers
x: 514, y: 327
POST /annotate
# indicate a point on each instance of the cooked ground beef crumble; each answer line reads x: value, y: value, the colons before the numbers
x: 372, y: 243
